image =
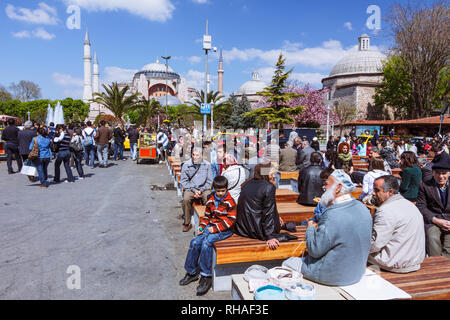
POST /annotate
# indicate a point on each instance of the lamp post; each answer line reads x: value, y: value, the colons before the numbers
x: 328, y: 121
x: 167, y: 73
x: 28, y: 114
x: 207, y: 46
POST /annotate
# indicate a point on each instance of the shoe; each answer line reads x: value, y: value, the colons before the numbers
x: 43, y: 186
x: 204, y: 286
x: 187, y: 228
x: 188, y: 279
x: 80, y: 178
x: 11, y: 172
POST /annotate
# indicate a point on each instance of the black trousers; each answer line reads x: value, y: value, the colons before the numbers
x: 12, y: 149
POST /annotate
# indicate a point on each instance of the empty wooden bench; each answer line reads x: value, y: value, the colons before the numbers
x: 236, y: 254
x: 431, y: 282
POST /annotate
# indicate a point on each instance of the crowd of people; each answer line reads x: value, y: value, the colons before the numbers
x: 412, y: 218
x: 72, y: 145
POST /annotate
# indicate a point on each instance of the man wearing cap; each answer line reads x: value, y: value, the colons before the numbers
x: 338, y: 247
x: 433, y: 202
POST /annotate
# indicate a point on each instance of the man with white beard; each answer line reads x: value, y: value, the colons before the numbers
x: 338, y: 247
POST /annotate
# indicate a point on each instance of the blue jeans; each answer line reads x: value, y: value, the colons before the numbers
x: 89, y: 155
x: 133, y: 150
x: 118, y: 148
x: 78, y: 158
x: 63, y: 157
x: 102, y: 154
x: 41, y: 167
x: 201, y: 251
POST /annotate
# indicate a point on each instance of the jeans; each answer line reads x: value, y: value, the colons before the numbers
x: 201, y: 251
x: 78, y: 158
x: 102, y: 154
x: 89, y: 155
x: 41, y: 167
x: 63, y: 156
x: 133, y: 150
x: 118, y: 147
x: 10, y: 150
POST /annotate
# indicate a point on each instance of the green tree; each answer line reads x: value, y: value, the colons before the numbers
x: 241, y: 107
x: 277, y: 110
x: 183, y: 115
x: 116, y: 99
x: 146, y: 109
x: 221, y: 106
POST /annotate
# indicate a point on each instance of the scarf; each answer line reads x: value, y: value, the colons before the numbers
x: 345, y: 156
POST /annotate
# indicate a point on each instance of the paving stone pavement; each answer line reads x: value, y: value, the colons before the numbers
x: 125, y: 238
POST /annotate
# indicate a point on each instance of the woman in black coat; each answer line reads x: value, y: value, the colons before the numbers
x: 257, y: 215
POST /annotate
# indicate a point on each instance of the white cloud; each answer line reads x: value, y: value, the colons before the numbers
x: 45, y: 14
x: 154, y: 10
x: 41, y: 33
x: 194, y: 59
x: 348, y: 25
x: 117, y: 74
x: 21, y: 34
x: 200, y: 1
x: 196, y: 79
x: 66, y: 80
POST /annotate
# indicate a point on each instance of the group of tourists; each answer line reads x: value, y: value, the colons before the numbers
x: 37, y: 145
x: 412, y: 217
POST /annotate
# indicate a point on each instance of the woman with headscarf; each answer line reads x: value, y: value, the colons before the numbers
x: 235, y: 174
x: 292, y: 136
x: 344, y: 159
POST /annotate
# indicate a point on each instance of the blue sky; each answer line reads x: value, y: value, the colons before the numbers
x: 128, y: 34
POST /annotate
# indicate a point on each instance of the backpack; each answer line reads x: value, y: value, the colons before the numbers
x: 89, y: 141
x: 76, y: 145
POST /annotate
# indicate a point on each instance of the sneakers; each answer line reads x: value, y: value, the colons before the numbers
x: 188, y: 279
x: 204, y: 285
x: 187, y: 228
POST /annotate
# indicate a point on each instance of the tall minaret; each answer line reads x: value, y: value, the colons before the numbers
x: 221, y: 71
x: 96, y: 75
x: 87, y: 69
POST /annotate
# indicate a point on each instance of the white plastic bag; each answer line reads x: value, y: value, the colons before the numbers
x: 29, y: 171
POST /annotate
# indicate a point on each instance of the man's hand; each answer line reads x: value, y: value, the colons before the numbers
x: 210, y: 229
x: 281, y: 222
x: 200, y: 231
x: 273, y: 243
x: 197, y: 194
x: 442, y: 223
x: 312, y: 223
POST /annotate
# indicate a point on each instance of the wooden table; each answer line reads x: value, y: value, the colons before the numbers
x: 431, y: 282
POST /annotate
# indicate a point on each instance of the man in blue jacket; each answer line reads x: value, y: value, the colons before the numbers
x: 338, y: 247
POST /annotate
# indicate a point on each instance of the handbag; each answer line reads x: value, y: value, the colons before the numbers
x: 29, y: 170
x: 34, y: 153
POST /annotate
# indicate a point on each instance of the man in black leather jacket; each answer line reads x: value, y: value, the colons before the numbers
x: 309, y: 182
x: 257, y: 215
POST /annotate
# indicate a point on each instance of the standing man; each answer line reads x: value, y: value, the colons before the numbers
x: 133, y: 136
x: 119, y: 139
x: 25, y: 137
x: 89, y: 144
x: 305, y: 155
x: 11, y: 136
x: 162, y: 140
x: 63, y: 155
x: 102, y: 138
x: 398, y: 234
x: 433, y: 202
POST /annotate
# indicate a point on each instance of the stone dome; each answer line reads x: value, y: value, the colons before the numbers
x: 156, y: 67
x: 253, y: 86
x: 362, y: 61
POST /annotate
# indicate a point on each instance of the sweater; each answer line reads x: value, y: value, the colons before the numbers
x: 411, y: 178
x: 221, y: 216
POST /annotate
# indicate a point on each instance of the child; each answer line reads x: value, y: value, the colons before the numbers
x: 216, y: 225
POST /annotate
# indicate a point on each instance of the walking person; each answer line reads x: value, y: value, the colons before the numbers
x: 133, y: 136
x: 11, y: 136
x: 25, y: 137
x: 77, y: 151
x: 89, y: 144
x: 45, y: 154
x: 162, y: 140
x: 102, y: 138
x: 63, y: 155
x: 119, y: 139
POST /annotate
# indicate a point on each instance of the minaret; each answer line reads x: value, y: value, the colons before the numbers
x: 87, y: 95
x: 96, y: 75
x: 221, y: 71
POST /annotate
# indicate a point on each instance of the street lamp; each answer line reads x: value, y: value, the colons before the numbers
x: 28, y: 113
x: 328, y: 121
x: 167, y: 74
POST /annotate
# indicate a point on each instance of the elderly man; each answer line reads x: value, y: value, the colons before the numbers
x: 196, y: 180
x: 433, y: 202
x: 339, y: 245
x: 398, y: 235
x: 303, y: 160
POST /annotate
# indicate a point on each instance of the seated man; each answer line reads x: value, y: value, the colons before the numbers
x: 309, y: 182
x: 398, y: 234
x: 339, y: 245
x: 216, y: 225
x: 288, y: 156
x: 196, y: 179
x: 433, y: 202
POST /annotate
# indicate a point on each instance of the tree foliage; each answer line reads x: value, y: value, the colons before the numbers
x: 145, y: 110
x: 25, y: 90
x: 277, y: 110
x: 239, y: 108
x: 5, y: 95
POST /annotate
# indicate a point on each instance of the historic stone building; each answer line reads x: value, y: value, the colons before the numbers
x: 353, y: 80
x: 250, y: 88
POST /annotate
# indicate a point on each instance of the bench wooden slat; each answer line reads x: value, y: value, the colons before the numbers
x: 249, y: 250
x: 284, y: 175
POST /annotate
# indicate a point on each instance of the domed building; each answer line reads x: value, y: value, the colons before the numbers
x: 353, y: 80
x: 250, y: 88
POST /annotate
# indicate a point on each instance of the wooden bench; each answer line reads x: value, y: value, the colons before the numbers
x: 236, y: 254
x: 285, y: 179
x: 285, y: 195
x: 431, y: 282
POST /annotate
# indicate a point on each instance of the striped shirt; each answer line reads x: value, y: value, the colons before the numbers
x: 64, y: 141
x: 221, y: 217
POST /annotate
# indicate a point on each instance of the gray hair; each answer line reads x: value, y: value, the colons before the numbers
x: 390, y: 182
